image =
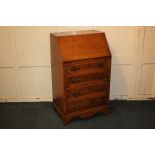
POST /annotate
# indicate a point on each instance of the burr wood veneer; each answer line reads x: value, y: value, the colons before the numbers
x: 81, y: 65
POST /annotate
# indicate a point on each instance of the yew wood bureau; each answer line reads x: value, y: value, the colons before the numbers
x: 81, y: 66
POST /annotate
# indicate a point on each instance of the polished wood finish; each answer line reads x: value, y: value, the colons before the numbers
x: 81, y: 66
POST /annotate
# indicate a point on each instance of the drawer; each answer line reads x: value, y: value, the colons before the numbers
x: 84, y: 79
x: 86, y: 104
x: 91, y: 65
x: 88, y: 90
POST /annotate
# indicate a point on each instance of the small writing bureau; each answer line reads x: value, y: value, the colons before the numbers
x: 81, y: 66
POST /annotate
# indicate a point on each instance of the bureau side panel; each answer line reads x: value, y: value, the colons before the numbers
x: 109, y: 76
x: 57, y: 73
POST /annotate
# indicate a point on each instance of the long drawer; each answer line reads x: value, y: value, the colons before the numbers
x: 87, y: 90
x: 87, y: 103
x: 87, y: 78
x: 86, y: 66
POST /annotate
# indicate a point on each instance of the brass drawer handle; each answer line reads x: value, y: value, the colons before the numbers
x: 76, y: 94
x: 94, y: 103
x: 100, y: 76
x: 75, y: 80
x: 101, y: 64
x: 75, y: 68
x: 100, y: 89
x: 76, y: 107
x: 100, y: 102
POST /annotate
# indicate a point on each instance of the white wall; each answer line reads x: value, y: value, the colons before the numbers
x: 25, y: 73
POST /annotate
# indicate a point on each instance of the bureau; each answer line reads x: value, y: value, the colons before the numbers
x: 81, y: 66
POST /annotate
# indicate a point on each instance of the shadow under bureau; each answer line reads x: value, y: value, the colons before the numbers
x: 81, y: 66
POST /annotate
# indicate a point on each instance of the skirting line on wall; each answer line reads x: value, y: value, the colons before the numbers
x: 42, y: 99
x: 49, y: 99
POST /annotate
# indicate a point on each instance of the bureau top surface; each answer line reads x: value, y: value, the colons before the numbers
x: 73, y: 33
x: 79, y: 45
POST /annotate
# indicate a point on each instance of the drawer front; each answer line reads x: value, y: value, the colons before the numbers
x: 88, y: 90
x: 88, y: 66
x: 84, y: 79
x: 87, y: 104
